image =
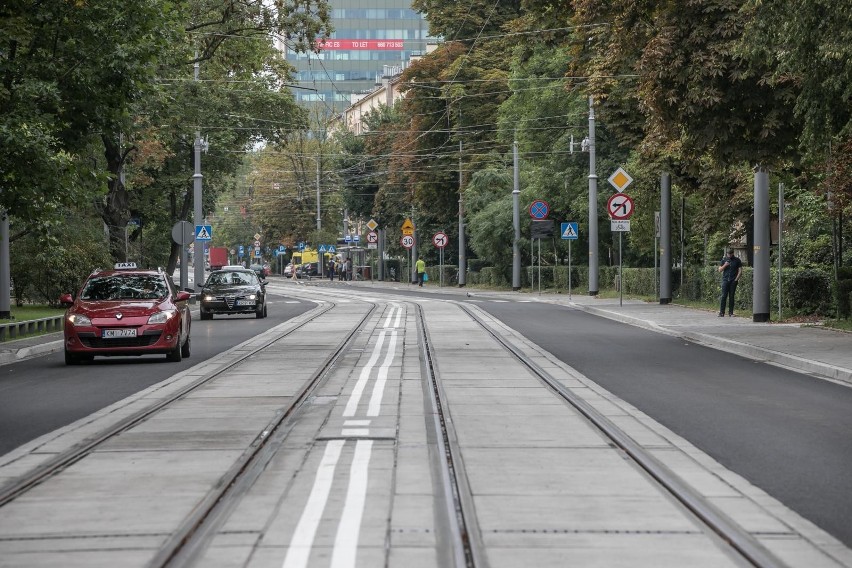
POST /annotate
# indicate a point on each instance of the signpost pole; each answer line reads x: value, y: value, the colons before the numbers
x: 569, y: 269
x: 539, y: 267
x: 620, y: 272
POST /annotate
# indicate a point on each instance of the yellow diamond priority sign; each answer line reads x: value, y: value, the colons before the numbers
x: 620, y: 180
x: 372, y: 225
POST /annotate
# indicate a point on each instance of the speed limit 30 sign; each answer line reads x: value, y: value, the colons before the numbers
x: 407, y: 241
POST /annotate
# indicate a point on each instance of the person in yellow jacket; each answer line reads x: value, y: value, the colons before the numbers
x: 420, y: 267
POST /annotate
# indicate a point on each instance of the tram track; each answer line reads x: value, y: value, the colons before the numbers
x: 729, y: 532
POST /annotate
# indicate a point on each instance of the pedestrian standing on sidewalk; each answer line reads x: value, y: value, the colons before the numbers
x: 420, y: 267
x: 731, y: 268
x: 331, y: 269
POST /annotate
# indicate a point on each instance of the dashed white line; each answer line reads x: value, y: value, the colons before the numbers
x: 349, y: 528
x: 302, y: 541
x: 381, y: 379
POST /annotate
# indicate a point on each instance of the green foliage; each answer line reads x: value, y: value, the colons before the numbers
x: 46, y: 265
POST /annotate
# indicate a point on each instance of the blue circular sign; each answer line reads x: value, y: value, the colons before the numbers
x: 539, y: 209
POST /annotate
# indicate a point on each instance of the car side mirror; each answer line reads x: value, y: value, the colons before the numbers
x: 66, y: 299
x: 183, y: 296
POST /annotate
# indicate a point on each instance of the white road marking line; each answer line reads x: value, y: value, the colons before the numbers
x: 292, y: 302
x: 500, y: 301
x: 346, y: 541
x: 356, y: 422
x: 355, y: 432
x: 393, y: 309
x: 302, y: 541
x: 355, y: 397
x: 398, y: 316
x: 381, y: 379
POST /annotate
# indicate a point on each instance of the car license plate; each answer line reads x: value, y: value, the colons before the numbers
x: 116, y: 333
x: 245, y: 302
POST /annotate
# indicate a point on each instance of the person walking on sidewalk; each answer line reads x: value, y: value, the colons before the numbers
x: 731, y: 268
x: 420, y: 267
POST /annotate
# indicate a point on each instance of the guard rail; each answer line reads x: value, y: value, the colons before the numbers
x: 14, y: 330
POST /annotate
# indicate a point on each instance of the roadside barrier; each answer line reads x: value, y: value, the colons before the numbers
x: 14, y: 330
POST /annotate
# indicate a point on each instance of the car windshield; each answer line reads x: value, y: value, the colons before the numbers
x: 125, y: 287
x: 226, y: 278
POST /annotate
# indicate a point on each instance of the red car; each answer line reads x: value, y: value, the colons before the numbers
x: 127, y: 311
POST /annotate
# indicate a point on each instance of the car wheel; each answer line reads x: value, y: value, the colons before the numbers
x: 175, y: 355
x: 185, y: 350
x: 206, y: 315
x: 71, y: 359
x: 264, y: 309
x: 260, y: 313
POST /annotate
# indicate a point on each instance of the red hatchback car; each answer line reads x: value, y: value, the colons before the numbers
x: 127, y: 311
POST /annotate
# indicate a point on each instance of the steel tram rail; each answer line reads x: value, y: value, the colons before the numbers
x: 463, y: 534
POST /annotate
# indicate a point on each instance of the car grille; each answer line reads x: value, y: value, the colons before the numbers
x: 231, y: 301
x: 140, y: 341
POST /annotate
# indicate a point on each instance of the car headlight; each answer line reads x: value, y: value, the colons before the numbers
x: 79, y: 319
x: 208, y: 298
x: 161, y: 317
x: 252, y: 297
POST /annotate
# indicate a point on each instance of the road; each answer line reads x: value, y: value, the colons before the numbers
x: 41, y: 394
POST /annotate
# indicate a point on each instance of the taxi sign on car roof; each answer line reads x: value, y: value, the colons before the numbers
x: 124, y: 265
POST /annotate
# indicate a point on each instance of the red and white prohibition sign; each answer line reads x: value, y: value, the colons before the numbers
x: 440, y: 240
x: 619, y: 206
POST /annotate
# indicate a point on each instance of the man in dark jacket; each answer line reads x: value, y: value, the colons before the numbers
x: 731, y: 268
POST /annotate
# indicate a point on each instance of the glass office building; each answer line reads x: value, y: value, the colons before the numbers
x: 371, y: 37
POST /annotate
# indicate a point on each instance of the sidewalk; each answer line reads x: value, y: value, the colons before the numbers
x: 802, y: 347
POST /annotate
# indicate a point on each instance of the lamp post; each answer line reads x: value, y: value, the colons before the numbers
x: 593, y: 204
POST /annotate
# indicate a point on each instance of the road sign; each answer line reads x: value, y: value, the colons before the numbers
x: 257, y: 236
x: 440, y: 240
x: 282, y: 248
x: 356, y: 238
x: 203, y: 232
x: 570, y: 230
x: 407, y: 227
x: 332, y: 249
x: 257, y: 252
x: 539, y: 209
x: 407, y: 241
x: 619, y: 206
x: 301, y: 246
x: 322, y: 249
x: 372, y: 225
x: 619, y: 226
x: 620, y: 179
x: 348, y: 238
x: 182, y: 233
x: 256, y: 243
x: 372, y: 237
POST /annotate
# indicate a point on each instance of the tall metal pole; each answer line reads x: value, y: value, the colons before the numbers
x: 665, y: 238
x: 198, y: 216
x: 319, y: 219
x: 5, y: 270
x: 780, y: 250
x: 516, y: 222
x: 593, y: 206
x: 760, y: 293
x: 462, y: 255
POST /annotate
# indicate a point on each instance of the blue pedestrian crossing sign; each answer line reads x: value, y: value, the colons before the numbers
x: 203, y: 232
x: 570, y: 231
x: 332, y: 249
x: 322, y: 248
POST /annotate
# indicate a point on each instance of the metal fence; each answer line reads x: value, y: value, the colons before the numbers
x: 14, y: 330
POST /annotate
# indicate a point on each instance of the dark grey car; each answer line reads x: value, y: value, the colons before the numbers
x: 233, y: 291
